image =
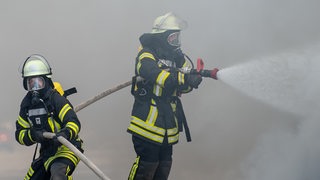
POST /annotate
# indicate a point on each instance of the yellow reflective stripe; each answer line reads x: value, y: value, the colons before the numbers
x: 138, y: 67
x: 29, y: 135
x: 73, y: 158
x: 29, y: 174
x: 163, y: 75
x: 173, y: 107
x: 63, y: 152
x: 22, y: 122
x: 146, y: 55
x: 63, y: 111
x: 172, y: 131
x: 173, y: 139
x: 21, y: 136
x: 52, y: 126
x: 157, y: 90
x: 185, y: 64
x: 153, y: 113
x: 145, y: 133
x: 73, y: 126
x: 68, y: 170
x: 181, y: 78
x: 150, y: 127
x: 134, y: 168
x: 143, y: 55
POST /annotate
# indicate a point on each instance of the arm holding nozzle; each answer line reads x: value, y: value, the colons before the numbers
x: 203, y: 72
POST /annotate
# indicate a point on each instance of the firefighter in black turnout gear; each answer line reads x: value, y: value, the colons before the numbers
x: 43, y: 109
x: 157, y: 116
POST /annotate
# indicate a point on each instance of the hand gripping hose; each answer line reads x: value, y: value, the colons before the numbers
x: 83, y: 158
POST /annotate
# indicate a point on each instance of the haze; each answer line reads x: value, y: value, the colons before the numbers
x: 92, y: 45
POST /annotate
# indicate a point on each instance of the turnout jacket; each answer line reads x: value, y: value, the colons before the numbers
x: 56, y: 115
x: 157, y: 113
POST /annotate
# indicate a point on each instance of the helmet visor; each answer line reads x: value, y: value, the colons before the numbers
x: 35, y: 83
x: 174, y: 39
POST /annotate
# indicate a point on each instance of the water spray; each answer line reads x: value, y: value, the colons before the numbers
x: 285, y: 81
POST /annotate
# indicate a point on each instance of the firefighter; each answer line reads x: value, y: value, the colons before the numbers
x: 157, y: 115
x: 44, y: 109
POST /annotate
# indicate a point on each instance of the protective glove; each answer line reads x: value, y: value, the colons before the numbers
x: 37, y: 135
x: 194, y: 80
x: 65, y: 132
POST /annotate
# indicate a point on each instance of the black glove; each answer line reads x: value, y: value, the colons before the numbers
x: 194, y: 80
x: 37, y: 135
x: 65, y: 132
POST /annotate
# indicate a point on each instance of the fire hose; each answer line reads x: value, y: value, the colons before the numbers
x: 78, y: 153
x: 200, y: 71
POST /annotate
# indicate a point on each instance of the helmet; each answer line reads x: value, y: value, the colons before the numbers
x: 36, y: 65
x: 169, y: 21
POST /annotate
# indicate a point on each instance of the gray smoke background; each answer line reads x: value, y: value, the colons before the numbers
x: 92, y: 45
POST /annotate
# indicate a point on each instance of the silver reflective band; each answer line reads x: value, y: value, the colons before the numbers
x: 37, y: 112
x: 35, y: 83
x: 174, y: 39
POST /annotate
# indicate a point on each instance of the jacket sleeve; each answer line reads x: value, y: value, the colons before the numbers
x: 185, y: 87
x: 148, y: 68
x: 66, y: 116
x: 22, y: 133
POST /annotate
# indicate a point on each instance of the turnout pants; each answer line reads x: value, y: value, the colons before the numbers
x: 153, y: 161
x: 60, y: 169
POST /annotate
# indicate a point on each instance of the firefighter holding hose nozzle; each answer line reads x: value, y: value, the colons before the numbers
x: 157, y: 115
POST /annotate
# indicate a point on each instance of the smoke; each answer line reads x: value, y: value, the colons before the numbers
x: 92, y: 45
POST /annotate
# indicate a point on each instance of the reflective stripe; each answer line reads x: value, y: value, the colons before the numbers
x: 63, y: 111
x: 22, y: 122
x: 185, y: 64
x: 29, y: 174
x: 138, y: 67
x: 146, y: 55
x: 37, y: 112
x: 52, y: 126
x: 73, y: 126
x: 145, y: 133
x: 157, y: 90
x: 181, y: 78
x: 134, y: 168
x: 173, y: 139
x: 143, y: 55
x: 172, y: 131
x: 21, y: 136
x: 153, y: 113
x: 63, y: 152
x: 29, y: 135
x: 163, y: 75
x: 144, y: 125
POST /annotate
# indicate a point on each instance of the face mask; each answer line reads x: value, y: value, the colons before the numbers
x: 35, y: 83
x: 174, y: 39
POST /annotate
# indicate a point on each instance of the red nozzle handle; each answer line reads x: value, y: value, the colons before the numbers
x: 204, y: 72
x: 200, y: 64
